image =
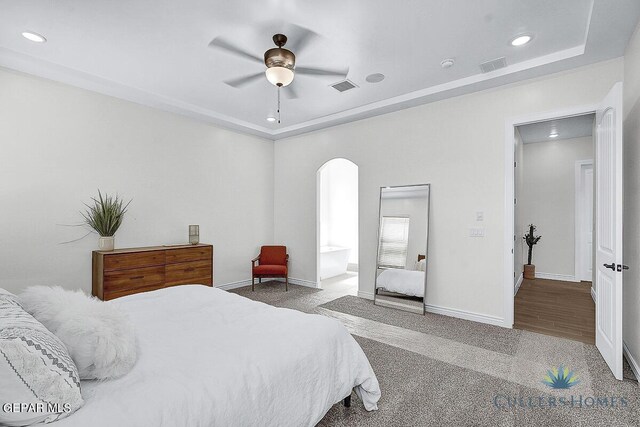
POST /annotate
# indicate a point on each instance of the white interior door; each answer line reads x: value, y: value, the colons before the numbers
x: 608, y: 268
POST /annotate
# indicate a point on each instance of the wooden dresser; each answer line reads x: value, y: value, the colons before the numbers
x: 129, y: 271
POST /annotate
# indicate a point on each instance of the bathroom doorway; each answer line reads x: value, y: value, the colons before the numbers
x: 337, y: 251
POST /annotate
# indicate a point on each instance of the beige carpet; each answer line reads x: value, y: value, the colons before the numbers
x: 441, y: 371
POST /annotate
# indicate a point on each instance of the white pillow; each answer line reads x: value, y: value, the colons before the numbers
x: 100, y: 338
x: 38, y: 380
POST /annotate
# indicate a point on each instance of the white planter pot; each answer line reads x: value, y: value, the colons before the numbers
x: 105, y: 243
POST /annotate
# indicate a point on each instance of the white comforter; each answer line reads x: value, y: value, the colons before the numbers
x: 212, y: 358
x: 407, y: 282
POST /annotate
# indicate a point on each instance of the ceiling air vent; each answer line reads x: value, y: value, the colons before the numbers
x: 344, y: 86
x: 493, y: 65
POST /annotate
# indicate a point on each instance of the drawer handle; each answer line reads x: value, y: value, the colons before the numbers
x: 136, y: 277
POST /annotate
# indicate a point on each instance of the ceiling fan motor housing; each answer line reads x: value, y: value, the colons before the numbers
x: 279, y: 57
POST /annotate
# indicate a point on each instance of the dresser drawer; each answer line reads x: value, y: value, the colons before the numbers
x: 134, y: 260
x: 125, y: 282
x: 188, y: 254
x: 196, y: 272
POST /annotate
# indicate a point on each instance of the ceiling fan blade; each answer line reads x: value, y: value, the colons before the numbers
x: 229, y: 47
x: 298, y: 37
x: 239, y: 82
x: 321, y: 72
x: 290, y: 92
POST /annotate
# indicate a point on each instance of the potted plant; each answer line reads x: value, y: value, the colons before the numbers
x: 104, y: 216
x: 531, y: 239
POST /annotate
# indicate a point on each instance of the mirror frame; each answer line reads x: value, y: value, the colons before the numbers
x: 426, y: 267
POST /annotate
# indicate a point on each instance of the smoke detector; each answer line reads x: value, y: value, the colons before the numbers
x: 447, y: 63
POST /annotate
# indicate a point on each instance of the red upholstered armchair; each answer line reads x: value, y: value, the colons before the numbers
x: 272, y: 262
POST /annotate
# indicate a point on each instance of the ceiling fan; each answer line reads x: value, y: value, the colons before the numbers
x: 280, y: 62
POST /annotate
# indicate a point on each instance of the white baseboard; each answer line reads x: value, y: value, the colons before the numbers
x: 635, y: 367
x: 452, y: 312
x: 234, y: 285
x: 518, y: 283
x: 553, y: 276
x: 593, y: 294
x: 294, y: 281
x: 365, y: 294
x: 247, y: 282
x: 466, y: 315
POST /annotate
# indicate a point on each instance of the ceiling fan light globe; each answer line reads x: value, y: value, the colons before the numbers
x: 279, y: 76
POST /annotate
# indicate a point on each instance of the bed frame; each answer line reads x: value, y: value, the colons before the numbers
x: 347, y: 401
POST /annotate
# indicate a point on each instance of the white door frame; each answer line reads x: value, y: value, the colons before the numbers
x: 579, y: 217
x: 509, y: 192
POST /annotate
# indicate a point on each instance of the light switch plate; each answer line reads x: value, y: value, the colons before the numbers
x: 476, y: 232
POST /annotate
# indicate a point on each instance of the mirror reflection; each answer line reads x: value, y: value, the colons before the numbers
x: 401, y: 270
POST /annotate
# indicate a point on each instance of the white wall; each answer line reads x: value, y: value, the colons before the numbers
x: 416, y: 209
x: 457, y: 145
x: 59, y: 144
x: 339, y: 206
x: 548, y: 201
x: 631, y: 290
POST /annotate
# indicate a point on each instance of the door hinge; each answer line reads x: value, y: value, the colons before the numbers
x: 515, y: 164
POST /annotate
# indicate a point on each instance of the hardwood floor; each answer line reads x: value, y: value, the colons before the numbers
x: 553, y: 307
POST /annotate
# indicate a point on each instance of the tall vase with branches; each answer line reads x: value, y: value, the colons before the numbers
x: 104, y: 215
x: 531, y: 239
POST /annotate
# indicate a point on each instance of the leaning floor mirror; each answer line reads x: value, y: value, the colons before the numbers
x: 401, y: 268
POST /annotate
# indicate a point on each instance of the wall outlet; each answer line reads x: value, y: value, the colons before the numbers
x: 476, y: 232
x: 479, y: 216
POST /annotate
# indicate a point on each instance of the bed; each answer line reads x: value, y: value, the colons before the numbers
x: 406, y: 282
x: 207, y: 357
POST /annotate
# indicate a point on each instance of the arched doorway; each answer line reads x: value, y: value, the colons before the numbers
x: 337, y: 226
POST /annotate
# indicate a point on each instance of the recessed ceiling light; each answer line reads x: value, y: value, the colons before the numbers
x: 447, y: 63
x: 521, y: 40
x: 34, y: 37
x: 375, y: 78
x: 271, y: 119
x: 553, y: 135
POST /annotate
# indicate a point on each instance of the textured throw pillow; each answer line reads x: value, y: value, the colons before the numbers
x: 38, y: 380
x: 100, y: 338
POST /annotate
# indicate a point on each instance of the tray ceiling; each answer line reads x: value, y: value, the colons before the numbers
x: 156, y: 52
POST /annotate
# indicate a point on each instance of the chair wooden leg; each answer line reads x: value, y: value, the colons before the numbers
x: 259, y: 279
x: 286, y: 283
x: 253, y: 283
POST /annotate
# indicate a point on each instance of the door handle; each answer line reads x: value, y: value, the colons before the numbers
x: 611, y: 266
x: 622, y: 267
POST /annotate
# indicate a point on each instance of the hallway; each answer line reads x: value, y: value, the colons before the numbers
x: 553, y: 307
